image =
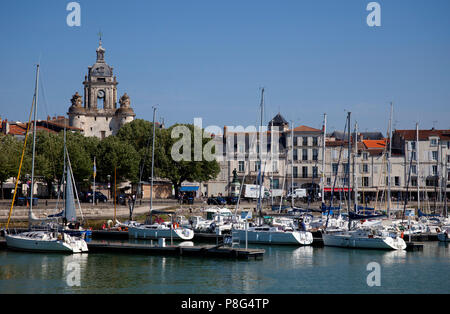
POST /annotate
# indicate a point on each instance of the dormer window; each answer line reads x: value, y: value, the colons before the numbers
x: 433, y: 142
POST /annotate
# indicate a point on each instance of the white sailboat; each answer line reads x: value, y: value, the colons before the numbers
x: 158, y: 230
x: 266, y: 234
x: 273, y: 235
x: 43, y: 240
x: 362, y: 238
x: 165, y: 230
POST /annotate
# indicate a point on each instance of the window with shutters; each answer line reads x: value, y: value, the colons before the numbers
x: 305, y: 172
x: 315, y: 141
x: 433, y: 142
x: 335, y: 169
x: 275, y: 166
x: 365, y: 168
x: 276, y: 184
x: 305, y: 141
x: 315, y: 154
x: 315, y: 172
x: 435, y: 155
x: 434, y: 170
x: 304, y: 154
x: 365, y: 181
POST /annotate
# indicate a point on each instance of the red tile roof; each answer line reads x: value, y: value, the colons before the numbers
x: 374, y: 144
x: 424, y: 135
x: 304, y: 128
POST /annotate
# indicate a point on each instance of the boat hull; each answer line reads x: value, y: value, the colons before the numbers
x: 348, y: 241
x: 281, y: 238
x: 443, y: 237
x: 18, y: 242
x: 147, y: 233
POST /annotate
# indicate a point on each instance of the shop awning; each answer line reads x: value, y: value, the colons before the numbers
x: 189, y: 189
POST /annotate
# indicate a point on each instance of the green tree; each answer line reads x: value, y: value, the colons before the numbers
x: 10, y: 153
x: 114, y: 153
x: 187, y: 169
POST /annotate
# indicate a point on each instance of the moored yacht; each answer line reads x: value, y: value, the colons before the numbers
x: 272, y: 235
x: 43, y: 240
x: 46, y: 241
x: 160, y: 230
x: 364, y: 239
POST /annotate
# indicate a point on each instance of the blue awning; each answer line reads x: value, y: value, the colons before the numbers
x: 189, y: 188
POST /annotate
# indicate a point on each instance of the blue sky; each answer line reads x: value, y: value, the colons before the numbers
x: 209, y: 58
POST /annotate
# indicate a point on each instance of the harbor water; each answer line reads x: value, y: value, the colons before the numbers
x: 287, y: 270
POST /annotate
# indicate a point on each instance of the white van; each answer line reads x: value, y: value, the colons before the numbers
x: 298, y: 193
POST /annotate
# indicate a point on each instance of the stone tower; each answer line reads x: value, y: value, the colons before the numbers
x: 100, y: 116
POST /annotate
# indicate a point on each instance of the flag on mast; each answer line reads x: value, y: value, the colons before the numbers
x: 95, y: 169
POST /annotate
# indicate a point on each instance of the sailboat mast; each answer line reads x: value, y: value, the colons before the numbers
x: 323, y: 156
x: 418, y: 165
x: 36, y: 92
x: 355, y: 167
x: 348, y: 162
x: 153, y: 160
x: 271, y: 161
x: 260, y: 151
x: 389, y: 164
x: 292, y: 164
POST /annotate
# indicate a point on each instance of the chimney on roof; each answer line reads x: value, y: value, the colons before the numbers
x: 225, y: 131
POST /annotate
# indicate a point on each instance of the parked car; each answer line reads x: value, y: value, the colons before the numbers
x: 219, y: 200
x: 99, y: 197
x: 232, y: 200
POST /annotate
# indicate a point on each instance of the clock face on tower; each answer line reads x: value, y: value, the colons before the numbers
x: 100, y: 94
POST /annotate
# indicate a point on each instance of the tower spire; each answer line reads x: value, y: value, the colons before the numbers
x: 100, y: 49
x: 100, y: 34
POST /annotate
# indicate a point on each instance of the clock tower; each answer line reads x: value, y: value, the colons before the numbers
x: 100, y: 116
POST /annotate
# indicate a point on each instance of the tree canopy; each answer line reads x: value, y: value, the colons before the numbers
x: 130, y: 152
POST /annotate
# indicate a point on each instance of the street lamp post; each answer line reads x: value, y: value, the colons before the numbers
x: 109, y: 186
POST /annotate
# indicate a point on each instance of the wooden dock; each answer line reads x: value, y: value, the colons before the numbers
x: 147, y: 249
x: 109, y: 234
x: 414, y: 246
x: 198, y: 251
